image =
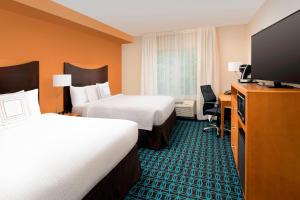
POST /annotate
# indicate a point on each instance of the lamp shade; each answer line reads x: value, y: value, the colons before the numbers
x: 62, y: 80
x: 233, y: 66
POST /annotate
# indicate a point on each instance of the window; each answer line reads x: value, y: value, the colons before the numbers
x: 177, y: 64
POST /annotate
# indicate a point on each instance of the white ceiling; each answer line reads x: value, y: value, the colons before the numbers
x: 138, y: 17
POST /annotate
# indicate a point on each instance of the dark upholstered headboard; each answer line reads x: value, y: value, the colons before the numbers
x: 82, y: 77
x: 19, y: 77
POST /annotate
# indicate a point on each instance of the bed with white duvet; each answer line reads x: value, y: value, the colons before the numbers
x: 146, y: 111
x: 90, y: 96
x: 60, y: 157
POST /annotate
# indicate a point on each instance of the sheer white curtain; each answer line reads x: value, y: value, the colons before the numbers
x: 149, y: 65
x: 177, y: 63
x: 207, y: 64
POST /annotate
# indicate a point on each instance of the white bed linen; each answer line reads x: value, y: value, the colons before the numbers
x: 61, y: 157
x: 79, y: 109
x: 145, y: 110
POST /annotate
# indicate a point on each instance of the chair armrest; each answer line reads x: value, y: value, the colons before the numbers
x: 216, y: 103
x: 210, y: 102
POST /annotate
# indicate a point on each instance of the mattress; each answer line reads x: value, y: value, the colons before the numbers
x: 147, y: 111
x: 61, y: 157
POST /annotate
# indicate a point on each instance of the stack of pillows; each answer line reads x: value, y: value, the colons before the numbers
x: 19, y: 106
x: 90, y: 93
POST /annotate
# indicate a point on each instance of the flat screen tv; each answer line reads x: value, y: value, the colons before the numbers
x: 275, y: 51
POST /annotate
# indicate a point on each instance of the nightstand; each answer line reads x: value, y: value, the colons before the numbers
x: 72, y: 114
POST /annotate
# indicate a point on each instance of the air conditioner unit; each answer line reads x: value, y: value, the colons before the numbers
x: 185, y: 108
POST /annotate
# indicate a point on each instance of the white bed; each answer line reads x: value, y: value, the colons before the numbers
x: 60, y: 157
x: 147, y: 111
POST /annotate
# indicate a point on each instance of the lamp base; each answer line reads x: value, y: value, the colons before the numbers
x: 56, y: 109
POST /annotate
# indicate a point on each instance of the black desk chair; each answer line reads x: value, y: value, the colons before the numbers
x: 211, y: 107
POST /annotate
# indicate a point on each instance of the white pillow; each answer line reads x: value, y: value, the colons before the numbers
x: 13, y: 108
x: 32, y: 97
x: 92, y: 92
x: 103, y: 89
x: 78, y: 95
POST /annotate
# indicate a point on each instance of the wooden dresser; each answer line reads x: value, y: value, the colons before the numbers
x: 266, y: 146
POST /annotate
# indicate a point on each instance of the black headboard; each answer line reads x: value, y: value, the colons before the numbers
x: 82, y: 77
x: 19, y: 77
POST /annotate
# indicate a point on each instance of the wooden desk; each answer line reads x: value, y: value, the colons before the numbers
x: 225, y: 101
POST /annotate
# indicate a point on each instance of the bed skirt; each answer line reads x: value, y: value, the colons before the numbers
x: 118, y: 182
x: 159, y: 137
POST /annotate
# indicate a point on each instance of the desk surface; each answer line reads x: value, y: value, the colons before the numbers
x: 223, y: 97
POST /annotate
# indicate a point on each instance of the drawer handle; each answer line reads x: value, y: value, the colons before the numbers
x: 232, y: 146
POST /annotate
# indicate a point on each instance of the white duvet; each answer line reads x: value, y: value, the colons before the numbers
x: 60, y: 157
x: 145, y: 110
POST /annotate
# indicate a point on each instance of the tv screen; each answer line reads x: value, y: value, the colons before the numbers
x: 276, y: 51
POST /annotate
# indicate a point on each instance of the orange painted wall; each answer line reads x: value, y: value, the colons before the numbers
x: 25, y: 38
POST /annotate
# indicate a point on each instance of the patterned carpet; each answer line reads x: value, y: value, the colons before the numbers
x: 196, y: 166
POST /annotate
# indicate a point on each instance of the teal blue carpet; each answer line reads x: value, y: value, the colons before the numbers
x: 196, y: 166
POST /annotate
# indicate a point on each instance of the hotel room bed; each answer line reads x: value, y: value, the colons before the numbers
x: 155, y: 115
x: 61, y: 157
x: 147, y: 111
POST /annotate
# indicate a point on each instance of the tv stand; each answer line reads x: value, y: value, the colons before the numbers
x: 279, y: 85
x: 266, y: 146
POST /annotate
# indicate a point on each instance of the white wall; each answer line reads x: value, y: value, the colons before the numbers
x: 232, y: 45
x: 131, y: 67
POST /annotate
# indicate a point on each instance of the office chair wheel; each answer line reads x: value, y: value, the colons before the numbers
x: 207, y: 128
x: 218, y: 132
